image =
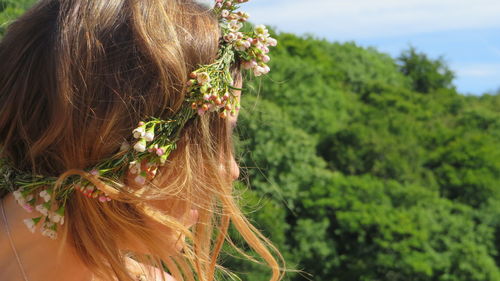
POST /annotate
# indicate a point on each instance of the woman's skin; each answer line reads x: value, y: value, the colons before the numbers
x: 38, y: 254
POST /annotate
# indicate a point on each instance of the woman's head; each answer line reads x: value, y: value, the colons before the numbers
x: 75, y: 78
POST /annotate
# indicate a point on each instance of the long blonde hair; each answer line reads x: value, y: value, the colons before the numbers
x: 75, y: 78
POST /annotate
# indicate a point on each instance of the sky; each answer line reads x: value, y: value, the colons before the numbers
x: 466, y: 33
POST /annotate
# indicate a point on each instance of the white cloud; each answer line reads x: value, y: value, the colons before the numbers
x: 478, y: 70
x: 361, y: 19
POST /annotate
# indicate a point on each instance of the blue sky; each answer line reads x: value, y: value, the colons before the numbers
x: 466, y: 33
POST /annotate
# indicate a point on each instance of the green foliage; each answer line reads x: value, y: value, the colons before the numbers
x: 369, y: 229
x: 10, y: 10
x: 284, y: 155
x: 379, y: 182
x: 426, y: 75
x: 365, y: 167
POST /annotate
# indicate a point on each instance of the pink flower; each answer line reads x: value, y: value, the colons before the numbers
x: 28, y: 208
x: 272, y: 42
x: 141, y: 180
x: 249, y: 64
x: 261, y: 69
x: 160, y: 151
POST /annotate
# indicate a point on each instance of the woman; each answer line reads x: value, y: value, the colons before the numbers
x: 115, y: 128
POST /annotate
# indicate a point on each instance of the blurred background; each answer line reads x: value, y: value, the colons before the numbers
x: 372, y: 150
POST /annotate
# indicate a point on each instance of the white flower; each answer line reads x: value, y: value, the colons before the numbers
x: 42, y: 209
x: 134, y: 167
x: 261, y: 30
x: 140, y: 146
x: 242, y: 45
x: 225, y: 13
x: 235, y: 26
x: 56, y: 218
x: 230, y: 37
x: 18, y: 195
x: 262, y: 38
x: 45, y: 195
x: 49, y: 229
x: 139, y: 132
x: 30, y: 223
x: 203, y: 78
x: 49, y: 233
x: 149, y: 136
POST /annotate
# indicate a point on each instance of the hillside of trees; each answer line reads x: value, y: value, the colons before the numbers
x: 360, y: 166
x: 370, y: 167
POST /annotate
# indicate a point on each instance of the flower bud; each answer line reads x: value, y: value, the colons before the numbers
x: 150, y: 134
x: 140, y: 179
x: 160, y: 151
x: 139, y: 132
x: 140, y: 146
x: 203, y: 78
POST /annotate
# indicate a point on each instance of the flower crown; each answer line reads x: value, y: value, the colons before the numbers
x: 209, y: 90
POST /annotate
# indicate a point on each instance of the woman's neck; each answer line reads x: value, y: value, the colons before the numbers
x: 38, y: 255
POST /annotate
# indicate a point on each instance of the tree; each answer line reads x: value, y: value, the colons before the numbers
x: 427, y: 75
